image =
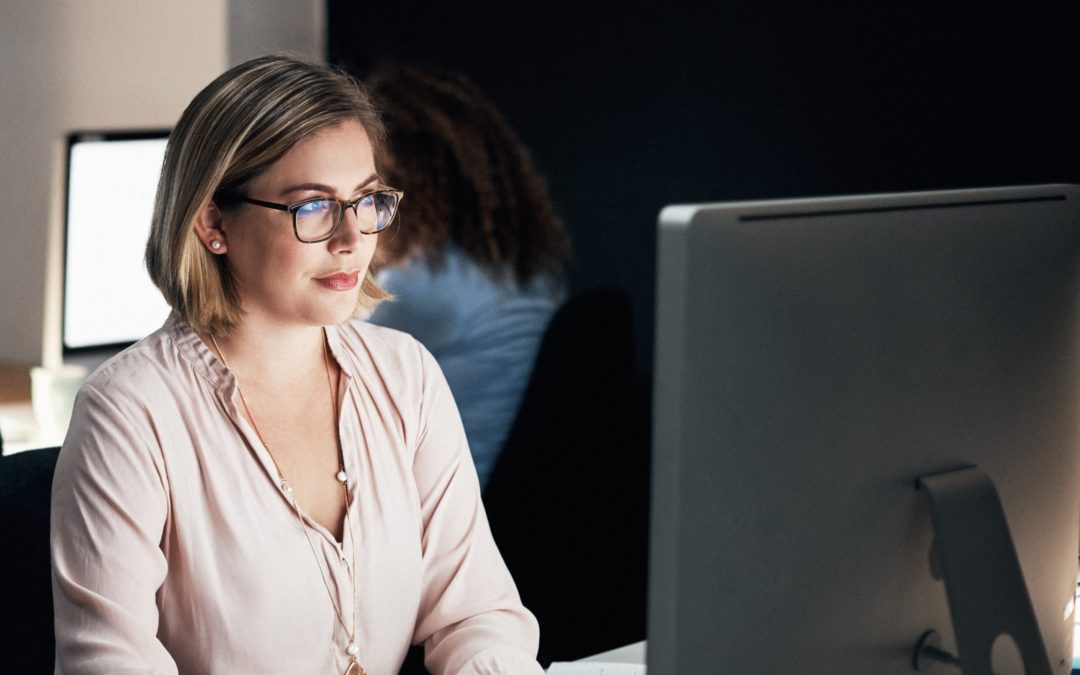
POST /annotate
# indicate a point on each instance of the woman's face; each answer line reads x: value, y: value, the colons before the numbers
x: 281, y: 279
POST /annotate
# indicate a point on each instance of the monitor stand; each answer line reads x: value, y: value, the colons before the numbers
x: 983, y: 580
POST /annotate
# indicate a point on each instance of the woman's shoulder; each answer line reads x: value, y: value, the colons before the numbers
x: 153, y: 367
x: 380, y: 344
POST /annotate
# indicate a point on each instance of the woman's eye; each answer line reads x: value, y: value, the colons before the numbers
x: 367, y: 201
x: 315, y: 208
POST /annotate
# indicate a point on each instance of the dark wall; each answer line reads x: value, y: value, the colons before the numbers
x: 627, y: 109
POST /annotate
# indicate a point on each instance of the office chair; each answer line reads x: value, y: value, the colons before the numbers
x: 26, y: 640
x: 568, y: 498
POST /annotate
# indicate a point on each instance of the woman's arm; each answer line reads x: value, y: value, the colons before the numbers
x: 471, y: 618
x: 109, y: 511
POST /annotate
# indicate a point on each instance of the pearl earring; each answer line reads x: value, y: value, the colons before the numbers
x: 216, y: 245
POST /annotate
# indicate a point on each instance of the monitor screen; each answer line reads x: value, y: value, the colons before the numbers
x: 108, y: 298
x: 815, y: 358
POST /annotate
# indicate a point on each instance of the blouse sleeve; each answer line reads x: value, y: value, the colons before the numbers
x: 109, y: 509
x: 471, y: 619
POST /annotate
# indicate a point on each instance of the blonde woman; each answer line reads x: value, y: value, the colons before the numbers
x: 267, y: 484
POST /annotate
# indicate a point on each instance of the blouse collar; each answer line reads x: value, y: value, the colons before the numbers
x: 211, y: 368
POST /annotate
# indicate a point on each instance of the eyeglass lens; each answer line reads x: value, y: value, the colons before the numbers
x: 317, y: 219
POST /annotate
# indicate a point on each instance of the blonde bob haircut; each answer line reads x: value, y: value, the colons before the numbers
x: 233, y: 130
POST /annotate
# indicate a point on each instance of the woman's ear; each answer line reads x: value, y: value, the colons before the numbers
x: 208, y: 229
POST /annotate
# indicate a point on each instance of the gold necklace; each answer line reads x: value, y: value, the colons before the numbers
x: 353, y: 648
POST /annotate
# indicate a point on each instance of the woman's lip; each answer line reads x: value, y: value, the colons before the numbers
x: 341, y: 281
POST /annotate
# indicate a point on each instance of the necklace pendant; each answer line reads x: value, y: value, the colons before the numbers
x: 354, y: 668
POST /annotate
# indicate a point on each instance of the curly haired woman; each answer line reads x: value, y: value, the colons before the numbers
x: 477, y: 264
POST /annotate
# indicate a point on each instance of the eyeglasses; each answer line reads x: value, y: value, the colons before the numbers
x: 317, y: 219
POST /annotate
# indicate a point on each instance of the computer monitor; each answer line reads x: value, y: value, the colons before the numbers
x: 108, y: 300
x: 815, y: 358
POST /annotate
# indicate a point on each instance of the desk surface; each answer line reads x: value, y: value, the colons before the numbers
x: 634, y: 653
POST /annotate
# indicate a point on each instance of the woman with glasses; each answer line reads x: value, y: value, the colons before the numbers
x: 477, y: 268
x: 267, y: 484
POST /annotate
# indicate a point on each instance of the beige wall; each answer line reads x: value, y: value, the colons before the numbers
x: 105, y: 64
x: 261, y: 26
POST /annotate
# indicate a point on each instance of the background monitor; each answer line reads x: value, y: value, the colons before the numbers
x: 108, y: 299
x: 814, y: 358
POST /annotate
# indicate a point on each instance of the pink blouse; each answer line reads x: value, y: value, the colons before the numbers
x: 175, y: 549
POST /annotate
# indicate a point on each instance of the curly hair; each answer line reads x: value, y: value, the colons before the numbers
x: 469, y: 179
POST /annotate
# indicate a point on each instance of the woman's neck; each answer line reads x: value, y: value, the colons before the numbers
x: 255, y: 351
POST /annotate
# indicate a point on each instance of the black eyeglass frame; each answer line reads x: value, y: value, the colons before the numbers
x: 296, y: 206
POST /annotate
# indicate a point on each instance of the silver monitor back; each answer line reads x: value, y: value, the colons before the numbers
x: 814, y: 358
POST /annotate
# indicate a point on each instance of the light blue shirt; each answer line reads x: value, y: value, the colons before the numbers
x: 484, y: 333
